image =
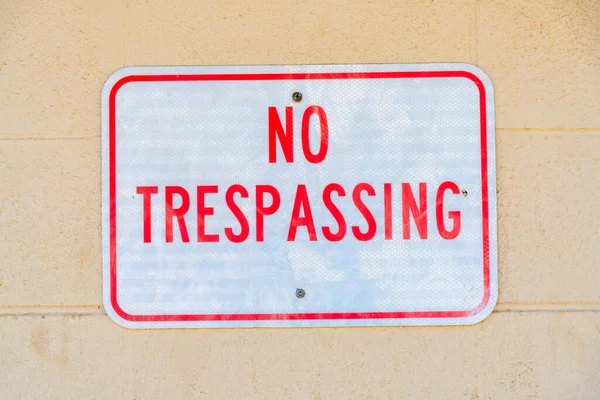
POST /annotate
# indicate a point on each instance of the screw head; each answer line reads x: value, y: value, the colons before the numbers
x: 297, y: 97
x: 464, y: 192
x: 300, y: 293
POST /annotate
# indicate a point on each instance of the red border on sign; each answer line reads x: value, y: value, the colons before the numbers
x: 296, y: 76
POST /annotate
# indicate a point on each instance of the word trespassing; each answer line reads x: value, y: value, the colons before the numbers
x: 267, y: 199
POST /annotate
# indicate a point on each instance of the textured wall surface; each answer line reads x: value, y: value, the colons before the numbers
x: 543, y: 340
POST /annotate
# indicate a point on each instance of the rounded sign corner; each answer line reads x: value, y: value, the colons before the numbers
x: 483, y: 314
x: 482, y: 76
x: 115, y: 317
x: 116, y: 80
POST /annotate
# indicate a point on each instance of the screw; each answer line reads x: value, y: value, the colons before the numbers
x: 464, y: 193
x: 300, y: 293
x: 297, y: 97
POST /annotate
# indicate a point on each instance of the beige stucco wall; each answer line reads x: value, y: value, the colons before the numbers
x: 543, y: 340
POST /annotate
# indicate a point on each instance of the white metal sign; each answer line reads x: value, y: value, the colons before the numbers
x: 282, y: 196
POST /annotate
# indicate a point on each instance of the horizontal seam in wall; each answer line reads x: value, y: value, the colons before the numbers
x: 15, y: 311
x: 46, y: 138
x: 548, y: 130
x: 547, y: 307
